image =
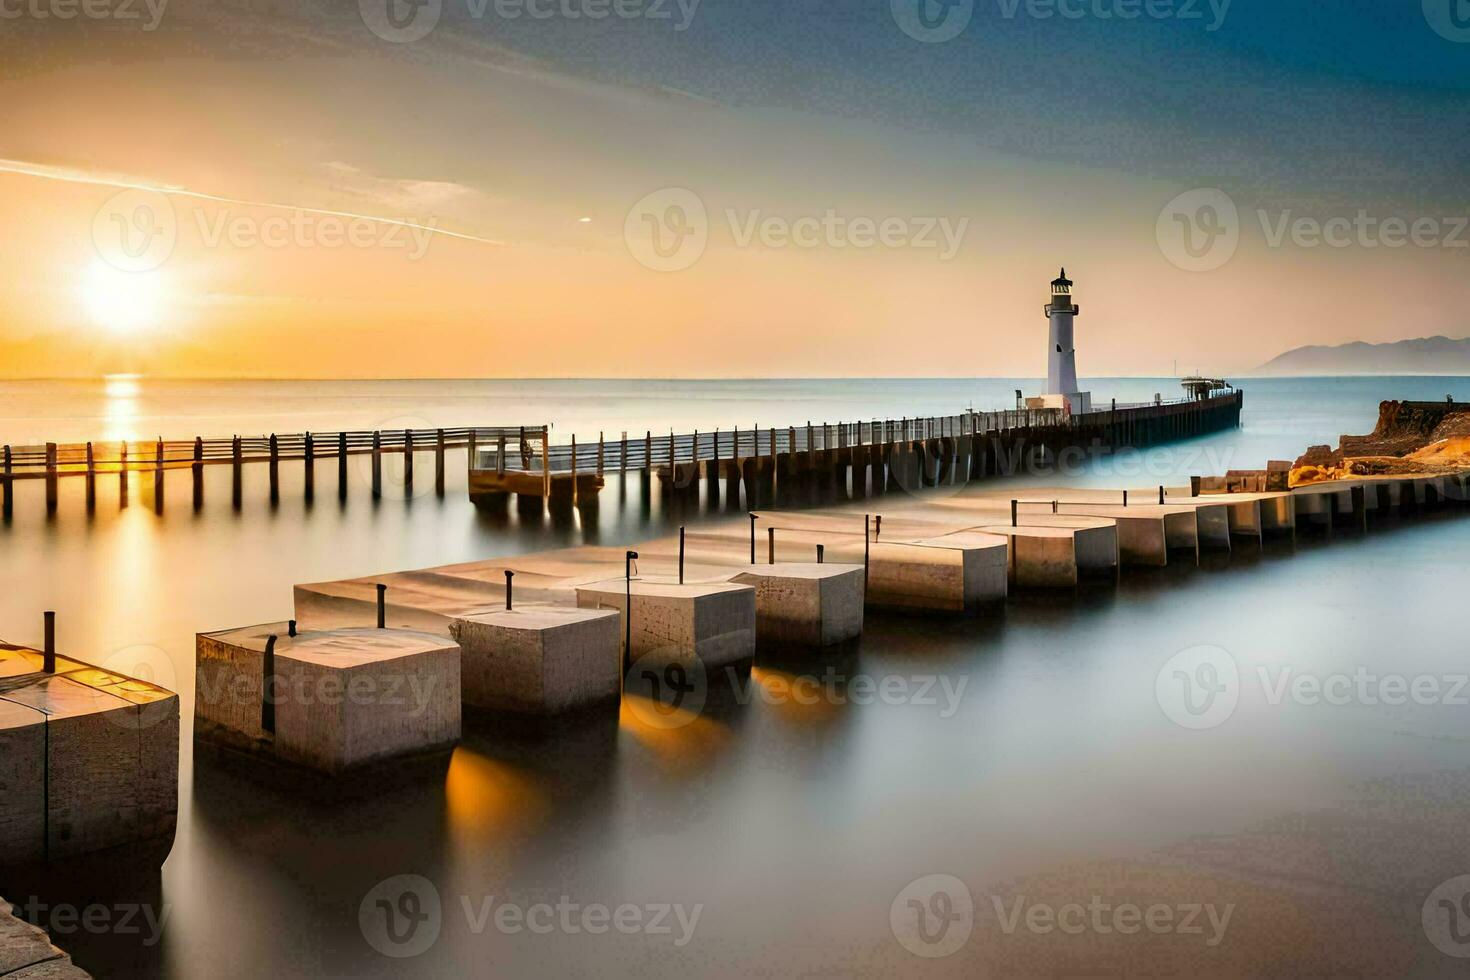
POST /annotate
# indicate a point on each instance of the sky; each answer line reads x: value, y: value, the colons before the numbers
x: 723, y: 188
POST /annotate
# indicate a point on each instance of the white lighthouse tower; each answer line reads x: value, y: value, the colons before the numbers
x: 1061, y: 357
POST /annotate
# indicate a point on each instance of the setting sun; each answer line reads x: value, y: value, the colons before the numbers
x: 122, y: 301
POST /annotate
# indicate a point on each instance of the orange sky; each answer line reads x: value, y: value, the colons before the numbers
x: 507, y: 150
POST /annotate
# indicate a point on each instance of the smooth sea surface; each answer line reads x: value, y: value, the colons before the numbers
x: 1052, y: 771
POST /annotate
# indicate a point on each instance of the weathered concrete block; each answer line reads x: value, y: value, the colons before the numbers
x: 540, y: 659
x: 22, y: 784
x: 342, y: 698
x: 951, y: 573
x: 26, y: 952
x: 798, y: 604
x: 109, y: 758
x: 714, y: 621
x: 350, y: 697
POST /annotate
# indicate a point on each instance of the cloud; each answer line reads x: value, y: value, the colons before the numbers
x: 409, y: 189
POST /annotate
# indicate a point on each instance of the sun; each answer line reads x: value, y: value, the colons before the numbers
x: 123, y: 302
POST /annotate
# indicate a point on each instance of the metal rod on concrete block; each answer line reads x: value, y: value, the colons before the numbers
x: 867, y: 545
x: 382, y: 606
x: 878, y: 526
x: 821, y: 552
x: 290, y: 627
x: 1125, y: 498
x: 681, y: 554
x: 628, y: 561
x: 1014, y: 506
x: 752, y: 539
x: 1161, y: 494
x: 268, y: 686
x: 508, y: 576
x: 770, y: 546
x: 48, y: 649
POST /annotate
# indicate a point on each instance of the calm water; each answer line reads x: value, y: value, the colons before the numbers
x: 793, y: 827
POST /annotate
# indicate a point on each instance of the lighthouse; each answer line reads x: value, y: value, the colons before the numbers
x: 1061, y: 356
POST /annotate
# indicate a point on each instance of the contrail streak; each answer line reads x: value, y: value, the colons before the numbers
x: 77, y: 177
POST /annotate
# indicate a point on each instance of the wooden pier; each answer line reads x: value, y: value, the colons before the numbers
x: 521, y: 460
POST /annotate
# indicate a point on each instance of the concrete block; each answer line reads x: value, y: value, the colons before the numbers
x: 1142, y: 541
x: 799, y: 604
x: 714, y: 621
x: 110, y: 757
x: 343, y: 698
x: 540, y: 659
x: 1212, y: 522
x: 950, y: 573
x: 355, y: 696
x: 26, y: 952
x: 22, y: 785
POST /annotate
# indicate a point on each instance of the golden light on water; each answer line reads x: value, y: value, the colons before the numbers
x: 679, y: 739
x: 486, y: 797
x: 796, y: 698
x: 122, y: 302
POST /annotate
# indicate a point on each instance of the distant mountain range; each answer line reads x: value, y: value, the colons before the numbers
x: 1425, y: 355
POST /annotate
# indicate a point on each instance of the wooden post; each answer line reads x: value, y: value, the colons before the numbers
x: 546, y: 461
x: 235, y: 452
x: 8, y: 505
x: 91, y: 478
x: 770, y: 546
x: 158, y: 476
x: 648, y: 451
x: 50, y: 477
x: 275, y: 468
x: 439, y: 463
x: 122, y: 471
x: 1015, y: 505
x: 574, y: 469
x: 623, y: 454
x: 599, y: 454
x: 408, y: 459
x: 341, y: 466
x: 377, y: 464
x: 382, y: 606
x: 752, y: 538
x: 681, y: 554
x: 308, y: 465
x: 197, y: 470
